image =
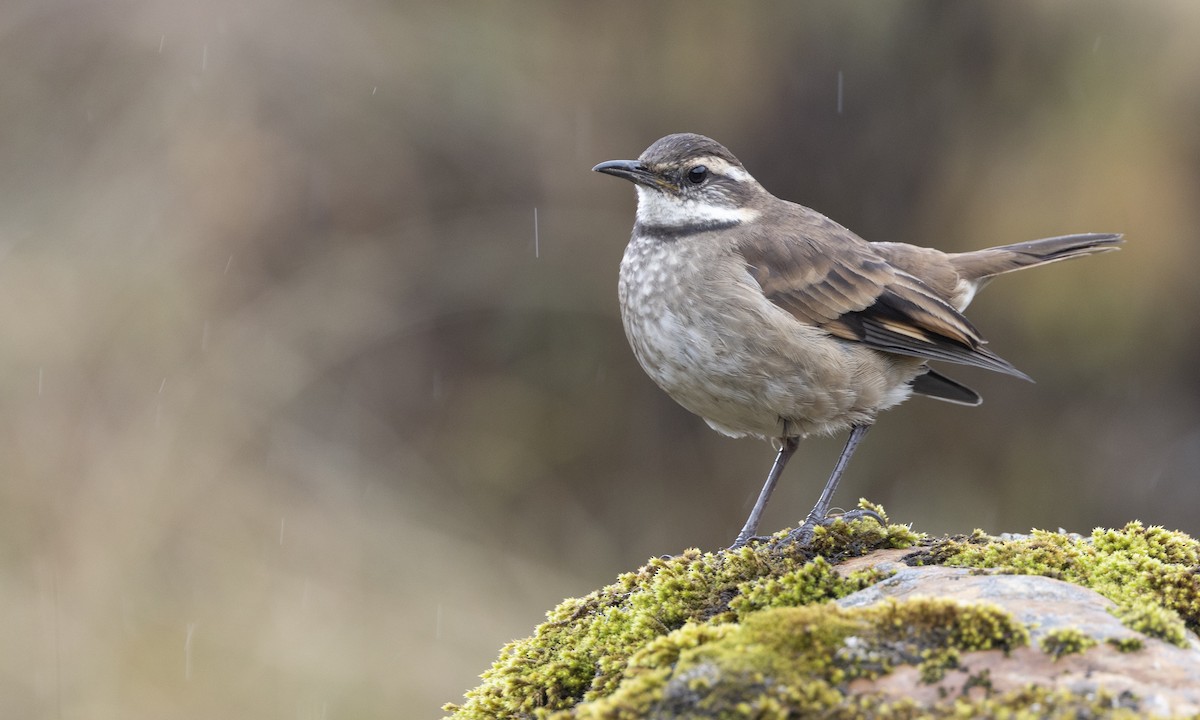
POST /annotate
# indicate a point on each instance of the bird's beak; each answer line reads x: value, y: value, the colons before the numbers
x: 631, y: 170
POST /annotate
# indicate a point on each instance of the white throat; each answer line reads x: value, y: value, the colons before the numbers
x: 659, y: 209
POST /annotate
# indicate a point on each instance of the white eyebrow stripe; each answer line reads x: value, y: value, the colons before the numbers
x: 736, y: 173
x: 721, y: 166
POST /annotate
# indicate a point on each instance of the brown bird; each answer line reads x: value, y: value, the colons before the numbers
x: 768, y: 319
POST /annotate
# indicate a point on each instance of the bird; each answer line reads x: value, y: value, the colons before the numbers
x: 768, y: 319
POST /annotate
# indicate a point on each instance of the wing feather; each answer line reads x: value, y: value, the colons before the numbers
x: 830, y: 278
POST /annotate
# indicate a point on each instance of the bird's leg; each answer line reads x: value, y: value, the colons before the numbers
x: 822, y: 507
x: 804, y: 533
x: 787, y: 446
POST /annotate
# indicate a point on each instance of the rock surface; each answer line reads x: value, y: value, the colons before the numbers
x: 1164, y: 678
x: 873, y: 622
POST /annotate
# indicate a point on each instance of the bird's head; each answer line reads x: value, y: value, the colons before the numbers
x: 689, y: 181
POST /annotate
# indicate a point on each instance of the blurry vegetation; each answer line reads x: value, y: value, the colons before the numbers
x: 298, y: 421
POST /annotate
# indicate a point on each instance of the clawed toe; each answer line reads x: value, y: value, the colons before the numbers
x: 803, y: 535
x: 858, y: 514
x: 742, y: 542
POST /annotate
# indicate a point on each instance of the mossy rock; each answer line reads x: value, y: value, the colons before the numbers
x: 872, y: 621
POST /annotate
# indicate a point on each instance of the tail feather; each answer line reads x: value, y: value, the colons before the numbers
x: 936, y: 385
x: 984, y: 264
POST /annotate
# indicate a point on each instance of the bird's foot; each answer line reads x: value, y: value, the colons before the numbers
x: 803, y: 535
x: 743, y: 541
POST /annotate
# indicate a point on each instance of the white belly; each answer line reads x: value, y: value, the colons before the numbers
x: 719, y: 349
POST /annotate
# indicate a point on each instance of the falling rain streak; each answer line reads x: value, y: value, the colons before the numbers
x: 536, y: 243
x: 158, y: 405
x: 187, y: 651
x: 839, y: 96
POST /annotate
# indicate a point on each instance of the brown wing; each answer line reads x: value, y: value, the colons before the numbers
x: 830, y: 278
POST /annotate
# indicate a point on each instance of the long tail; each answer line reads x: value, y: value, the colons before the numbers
x: 985, y: 264
x: 976, y: 268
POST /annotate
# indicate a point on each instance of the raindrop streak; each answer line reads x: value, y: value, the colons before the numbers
x: 536, y: 244
x: 374, y: 89
x: 437, y: 624
x: 40, y: 373
x: 161, y: 40
x: 158, y: 405
x: 187, y: 651
x: 839, y: 92
x: 204, y: 58
x: 228, y: 263
x: 57, y: 647
x: 282, y: 523
x: 204, y: 338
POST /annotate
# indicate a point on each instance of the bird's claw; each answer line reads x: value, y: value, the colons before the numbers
x: 858, y: 514
x: 803, y: 535
x: 742, y: 542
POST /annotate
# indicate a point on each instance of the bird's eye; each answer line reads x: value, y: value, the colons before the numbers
x: 697, y: 174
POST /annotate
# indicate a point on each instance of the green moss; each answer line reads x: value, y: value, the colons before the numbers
x: 1150, y: 573
x: 582, y: 650
x: 752, y: 632
x: 1066, y: 641
x: 815, y: 581
x: 936, y: 662
x: 1127, y: 644
x: 797, y: 660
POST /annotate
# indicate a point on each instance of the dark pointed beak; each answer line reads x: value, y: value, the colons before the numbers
x: 631, y: 170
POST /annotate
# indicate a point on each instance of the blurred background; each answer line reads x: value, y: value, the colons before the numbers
x: 314, y: 389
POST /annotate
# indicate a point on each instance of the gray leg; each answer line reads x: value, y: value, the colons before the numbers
x: 786, y: 448
x: 804, y: 533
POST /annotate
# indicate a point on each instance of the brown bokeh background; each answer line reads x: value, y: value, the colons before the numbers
x: 303, y: 415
